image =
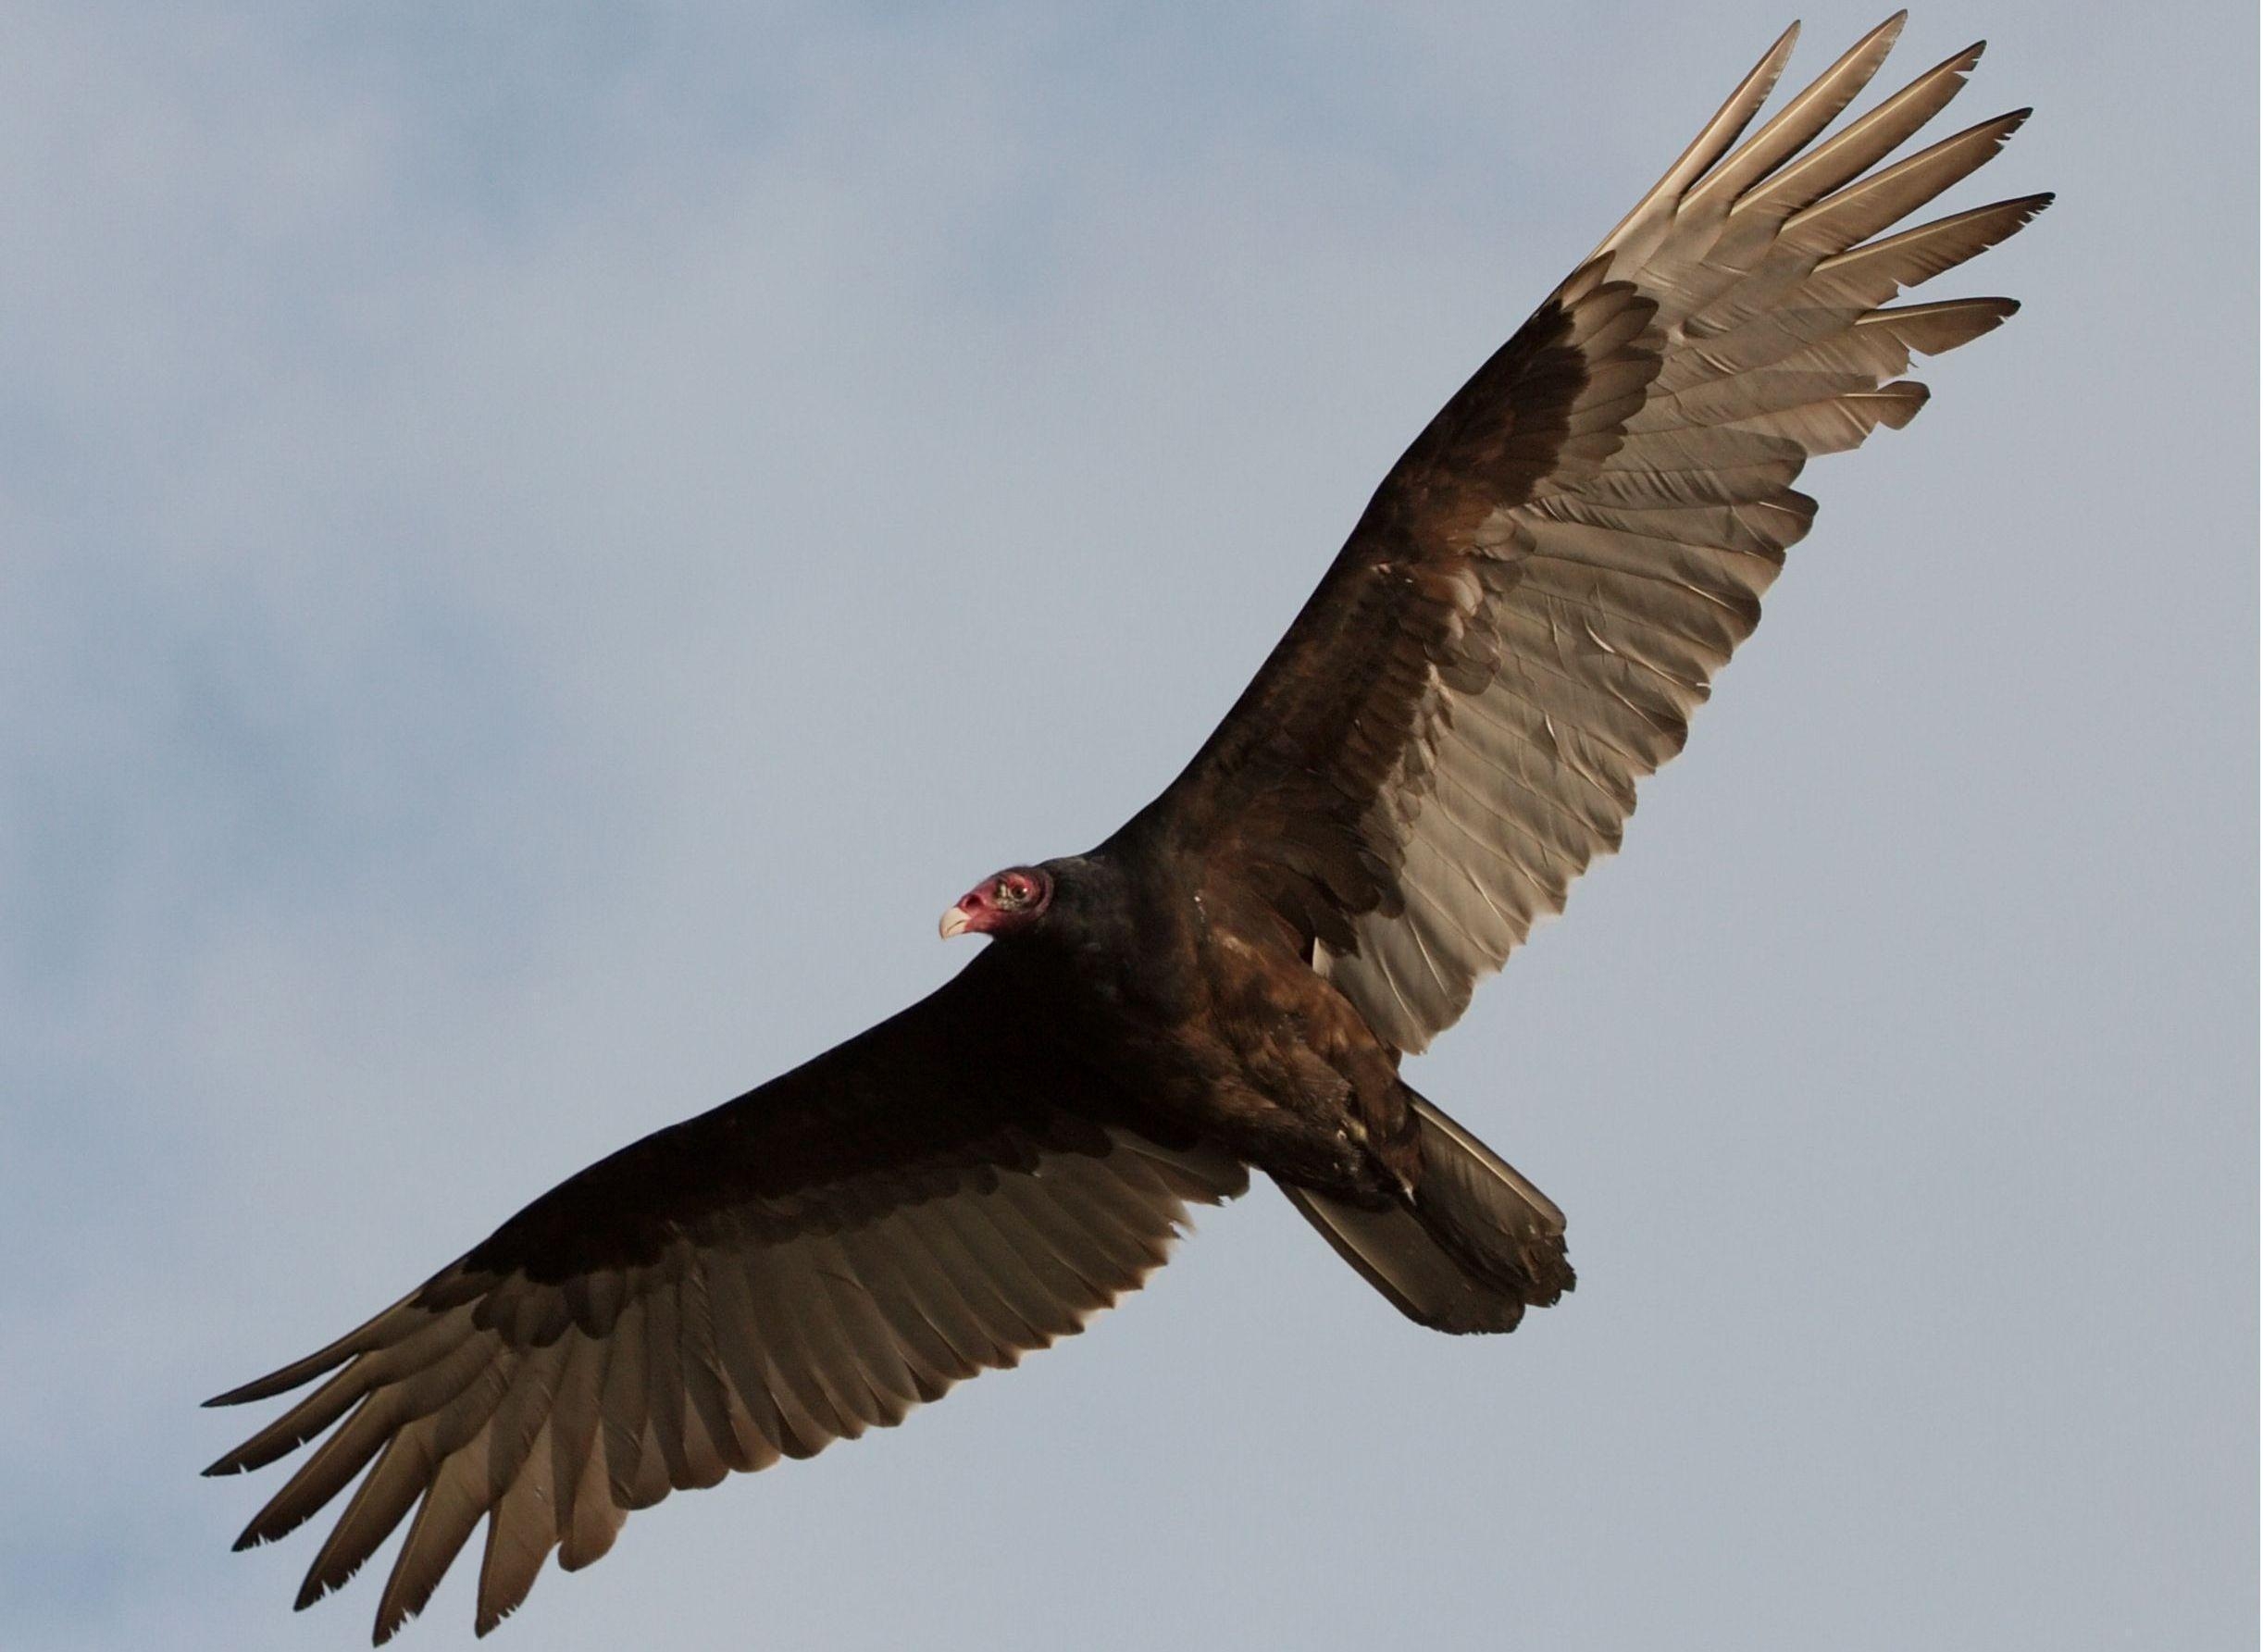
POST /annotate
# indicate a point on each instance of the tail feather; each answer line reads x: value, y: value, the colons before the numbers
x: 1476, y: 1246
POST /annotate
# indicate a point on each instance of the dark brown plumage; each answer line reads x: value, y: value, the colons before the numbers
x: 1517, y: 631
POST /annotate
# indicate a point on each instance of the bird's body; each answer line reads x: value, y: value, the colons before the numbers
x: 1515, y: 633
x: 1205, y: 995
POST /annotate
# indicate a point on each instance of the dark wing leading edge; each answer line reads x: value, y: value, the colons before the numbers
x: 810, y: 1260
x: 1539, y: 592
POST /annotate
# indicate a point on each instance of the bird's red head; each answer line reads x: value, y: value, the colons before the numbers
x: 1010, y: 900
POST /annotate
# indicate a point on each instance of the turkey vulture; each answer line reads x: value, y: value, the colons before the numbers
x: 1516, y: 632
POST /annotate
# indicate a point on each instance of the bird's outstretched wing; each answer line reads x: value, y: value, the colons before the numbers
x: 813, y: 1260
x: 1538, y: 594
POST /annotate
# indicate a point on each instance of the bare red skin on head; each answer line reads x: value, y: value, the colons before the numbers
x: 1001, y: 904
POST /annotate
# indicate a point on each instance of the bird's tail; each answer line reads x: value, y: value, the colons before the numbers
x: 1470, y: 1250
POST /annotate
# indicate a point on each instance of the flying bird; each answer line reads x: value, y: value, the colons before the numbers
x: 1516, y: 632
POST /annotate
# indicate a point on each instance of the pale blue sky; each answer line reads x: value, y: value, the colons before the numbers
x: 544, y: 547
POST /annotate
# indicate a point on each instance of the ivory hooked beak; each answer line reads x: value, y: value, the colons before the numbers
x: 955, y: 922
